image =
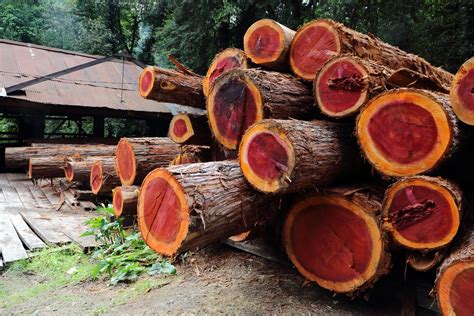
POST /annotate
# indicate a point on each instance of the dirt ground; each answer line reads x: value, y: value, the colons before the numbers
x: 217, y: 280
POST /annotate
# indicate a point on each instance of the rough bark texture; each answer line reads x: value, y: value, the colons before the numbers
x: 322, y: 151
x: 127, y: 208
x: 220, y: 202
x: 110, y: 180
x: 462, y: 92
x: 422, y: 262
x: 46, y: 167
x: 81, y: 168
x: 174, y: 87
x: 18, y: 157
x: 192, y: 154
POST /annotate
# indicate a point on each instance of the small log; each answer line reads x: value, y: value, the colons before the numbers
x: 454, y: 285
x: 422, y: 213
x: 405, y: 132
x: 425, y: 261
x: 462, y: 92
x: 46, y: 167
x: 346, y: 83
x: 166, y: 85
x: 267, y: 43
x: 229, y: 58
x: 335, y: 240
x: 103, y: 178
x: 79, y: 169
x: 319, y: 40
x: 124, y: 201
x: 241, y: 98
x: 186, y: 130
x: 190, y: 206
x: 282, y: 156
x: 85, y: 195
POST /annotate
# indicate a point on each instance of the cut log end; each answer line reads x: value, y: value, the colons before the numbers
x: 313, y: 45
x: 335, y: 243
x: 163, y: 213
x: 264, y: 42
x: 117, y: 202
x: 30, y: 169
x: 233, y: 105
x: 455, y: 289
x: 404, y: 132
x: 125, y: 162
x: 228, y: 59
x: 241, y: 237
x: 462, y: 92
x: 266, y: 157
x: 341, y: 87
x: 422, y: 213
x: 69, y: 172
x: 180, y: 129
x: 146, y: 81
x: 97, y: 177
x: 425, y: 261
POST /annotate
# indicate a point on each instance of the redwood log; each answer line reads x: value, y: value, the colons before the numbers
x: 335, y: 240
x: 282, y: 156
x: 192, y: 154
x: 190, y: 206
x: 241, y: 98
x: 18, y: 157
x: 319, y: 40
x: 79, y: 169
x: 455, y: 281
x: 166, y: 85
x: 46, y: 167
x: 405, y: 132
x: 229, y: 58
x: 462, y: 92
x: 103, y: 178
x: 189, y: 130
x: 346, y: 83
x: 124, y: 201
x: 422, y: 213
x: 267, y: 43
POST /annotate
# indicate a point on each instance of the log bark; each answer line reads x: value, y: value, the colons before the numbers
x: 241, y: 98
x: 166, y: 85
x: 79, y: 169
x: 190, y: 206
x: 346, y: 83
x: 124, y: 201
x: 422, y: 213
x: 46, y: 167
x: 229, y: 58
x: 341, y: 224
x: 267, y: 43
x: 462, y: 92
x: 406, y: 132
x: 192, y: 154
x: 189, y: 130
x: 308, y: 53
x: 103, y: 178
x: 85, y: 195
x: 282, y: 156
x: 18, y: 157
x: 425, y: 261
x: 454, y: 285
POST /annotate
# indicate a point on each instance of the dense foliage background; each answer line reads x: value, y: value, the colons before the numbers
x: 195, y: 30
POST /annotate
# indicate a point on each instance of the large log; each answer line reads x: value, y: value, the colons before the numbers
x: 346, y: 83
x: 189, y: 130
x: 462, y: 92
x: 103, y: 178
x: 319, y: 40
x: 192, y: 154
x: 190, y: 206
x: 166, y: 85
x: 455, y: 282
x: 267, y: 43
x: 18, y: 157
x: 405, y: 132
x: 124, y: 201
x: 281, y: 156
x: 422, y: 213
x: 46, y: 167
x: 241, y: 98
x: 335, y: 240
x: 229, y: 58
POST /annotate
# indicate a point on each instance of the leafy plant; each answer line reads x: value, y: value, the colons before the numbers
x: 122, y: 255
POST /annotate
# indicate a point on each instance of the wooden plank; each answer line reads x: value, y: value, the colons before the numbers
x: 88, y: 206
x: 74, y: 227
x: 12, y: 198
x: 3, y: 180
x: 26, y: 197
x: 2, y: 197
x: 41, y: 199
x: 44, y: 226
x: 27, y: 236
x: 10, y: 244
x: 13, y: 177
x: 56, y: 199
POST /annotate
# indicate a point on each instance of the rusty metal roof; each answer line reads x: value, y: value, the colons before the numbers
x: 98, y: 86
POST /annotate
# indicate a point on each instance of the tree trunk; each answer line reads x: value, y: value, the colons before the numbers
x: 405, y: 132
x: 455, y: 281
x: 46, y: 167
x: 267, y: 43
x: 103, y: 178
x: 335, y: 240
x: 189, y: 130
x: 241, y: 98
x: 346, y: 83
x: 282, y: 156
x: 124, y: 201
x: 190, y: 206
x: 192, y: 154
x: 166, y: 85
x: 308, y: 52
x: 78, y: 169
x: 229, y: 58
x: 422, y: 213
x: 462, y: 92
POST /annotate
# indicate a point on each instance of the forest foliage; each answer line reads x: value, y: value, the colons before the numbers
x: 195, y: 30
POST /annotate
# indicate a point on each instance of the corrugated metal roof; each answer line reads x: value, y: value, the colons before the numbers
x: 98, y: 86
